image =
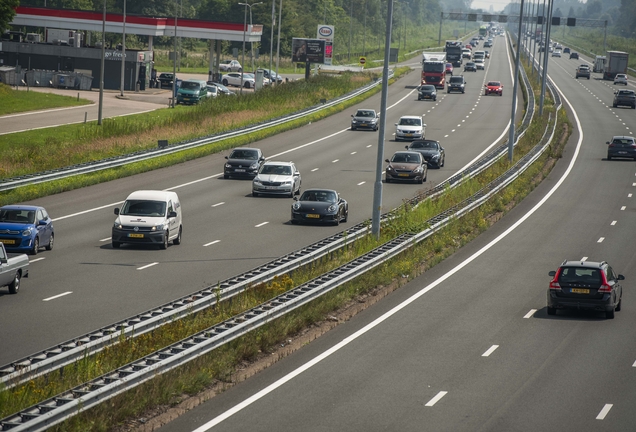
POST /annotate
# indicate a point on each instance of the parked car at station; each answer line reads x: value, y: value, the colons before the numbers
x: 230, y: 66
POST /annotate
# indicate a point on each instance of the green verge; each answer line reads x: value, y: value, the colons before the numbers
x: 18, y: 101
x: 219, y: 366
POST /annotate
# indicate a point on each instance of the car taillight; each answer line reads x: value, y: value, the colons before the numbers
x: 554, y: 284
x: 605, y: 287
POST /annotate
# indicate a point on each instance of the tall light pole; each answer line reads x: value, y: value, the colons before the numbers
x: 280, y: 19
x: 101, y: 73
x: 174, y: 61
x: 515, y: 84
x: 271, y: 39
x: 350, y: 28
x: 247, y: 5
x: 123, y: 53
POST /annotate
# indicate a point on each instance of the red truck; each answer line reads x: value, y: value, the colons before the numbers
x: 434, y: 69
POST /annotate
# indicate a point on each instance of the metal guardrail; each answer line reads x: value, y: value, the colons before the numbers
x: 85, y: 396
x: 113, y: 162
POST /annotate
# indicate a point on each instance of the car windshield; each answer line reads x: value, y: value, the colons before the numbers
x: 457, y: 80
x: 410, y: 122
x: 427, y: 88
x: 628, y: 141
x: 143, y: 208
x: 276, y: 170
x: 406, y: 158
x: 424, y: 145
x: 189, y: 85
x: 580, y: 275
x: 244, y: 154
x: 625, y: 92
x: 318, y: 195
x: 364, y: 113
x: 494, y: 84
x: 17, y: 216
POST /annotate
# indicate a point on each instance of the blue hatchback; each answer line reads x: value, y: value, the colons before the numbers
x: 25, y: 228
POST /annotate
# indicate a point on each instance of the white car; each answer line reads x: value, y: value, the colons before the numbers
x: 556, y: 53
x: 234, y: 79
x: 410, y: 128
x: 277, y: 178
x: 230, y: 66
x: 620, y: 79
x: 479, y: 63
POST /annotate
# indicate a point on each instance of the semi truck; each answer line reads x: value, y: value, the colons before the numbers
x: 615, y: 63
x: 453, y: 49
x: 434, y: 69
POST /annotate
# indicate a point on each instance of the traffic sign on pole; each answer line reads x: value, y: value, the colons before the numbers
x: 362, y: 60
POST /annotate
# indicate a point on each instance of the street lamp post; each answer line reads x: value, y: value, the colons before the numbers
x: 247, y: 5
x: 123, y: 53
x: 101, y: 73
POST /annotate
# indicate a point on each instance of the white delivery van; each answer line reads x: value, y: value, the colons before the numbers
x: 148, y: 217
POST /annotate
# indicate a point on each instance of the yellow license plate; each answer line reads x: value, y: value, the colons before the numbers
x: 403, y: 175
x: 313, y: 216
x: 579, y: 291
x: 7, y: 241
x: 136, y: 235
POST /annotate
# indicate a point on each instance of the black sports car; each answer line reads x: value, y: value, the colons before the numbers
x: 431, y: 150
x: 319, y: 206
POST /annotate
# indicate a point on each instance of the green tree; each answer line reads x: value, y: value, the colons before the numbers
x: 7, y: 12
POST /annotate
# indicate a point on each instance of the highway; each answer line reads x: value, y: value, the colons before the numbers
x: 468, y: 346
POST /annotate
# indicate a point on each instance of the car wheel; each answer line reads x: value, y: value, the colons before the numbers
x: 36, y: 246
x: 588, y: 77
x: 164, y: 243
x: 421, y: 180
x: 501, y: 94
x: 50, y: 245
x: 376, y: 129
x: 443, y: 161
x: 551, y: 311
x: 246, y: 84
x: 14, y: 287
x: 116, y: 245
x: 609, y: 314
x: 254, y: 194
x: 177, y: 241
x: 346, y: 216
x: 462, y: 91
x: 225, y: 83
x: 337, y: 221
x: 240, y: 70
x: 618, y: 306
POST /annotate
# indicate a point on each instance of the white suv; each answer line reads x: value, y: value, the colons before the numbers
x: 620, y: 79
x: 410, y: 127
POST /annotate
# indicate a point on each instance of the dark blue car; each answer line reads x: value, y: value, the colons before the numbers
x: 25, y: 228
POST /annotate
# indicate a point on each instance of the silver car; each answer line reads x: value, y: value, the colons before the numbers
x: 620, y: 79
x: 277, y: 178
x: 234, y: 79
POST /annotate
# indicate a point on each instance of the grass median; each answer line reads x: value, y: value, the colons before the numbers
x: 18, y: 101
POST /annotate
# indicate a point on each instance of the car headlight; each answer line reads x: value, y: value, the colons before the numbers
x: 157, y: 227
x: 227, y: 165
x: 287, y: 183
x: 435, y: 157
x: 296, y: 206
x: 27, y: 232
x: 256, y: 181
x: 332, y: 208
x: 418, y: 169
x: 353, y: 121
x: 389, y: 168
x: 254, y: 165
x: 118, y: 225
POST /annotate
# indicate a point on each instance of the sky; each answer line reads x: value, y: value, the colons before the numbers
x: 497, y: 5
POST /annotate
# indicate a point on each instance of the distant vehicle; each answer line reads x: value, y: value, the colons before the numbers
x: 431, y: 150
x: 621, y: 147
x: 487, y: 54
x: 585, y: 285
x: 410, y: 128
x: 277, y: 178
x: 467, y: 54
x: 616, y: 63
x: 457, y: 83
x: 319, y: 206
x: 574, y: 55
x: 230, y: 66
x: 583, y: 71
x: 26, y: 228
x: 620, y: 79
x: 406, y: 165
x: 427, y: 92
x: 556, y: 53
x: 165, y: 80
x: 493, y: 87
x: 470, y: 67
x: 479, y: 63
x: 434, y: 69
x: 624, y: 98
x: 221, y: 89
x: 566, y: 50
x: 12, y: 269
x: 192, y: 92
x: 272, y: 76
x: 243, y: 162
x: 213, y: 91
x: 453, y: 50
x: 488, y: 44
x: 234, y: 79
x: 449, y: 68
x: 365, y: 119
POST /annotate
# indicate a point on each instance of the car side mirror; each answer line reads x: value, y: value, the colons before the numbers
x: 485, y: 85
x: 621, y: 277
x: 424, y: 125
x: 552, y: 273
x: 226, y: 157
x: 387, y: 161
x: 396, y: 124
x: 42, y: 222
x: 295, y: 198
x: 117, y: 211
x: 351, y: 115
x: 172, y: 214
x: 296, y: 174
x: 261, y: 159
x: 607, y: 142
x: 406, y: 147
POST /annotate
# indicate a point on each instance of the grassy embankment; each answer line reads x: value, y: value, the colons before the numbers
x: 17, y: 101
x: 220, y: 366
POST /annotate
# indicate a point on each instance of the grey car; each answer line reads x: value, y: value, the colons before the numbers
x: 433, y: 153
x: 277, y: 178
x: 621, y: 147
x: 585, y: 285
x: 365, y: 119
x: 243, y: 162
x: 625, y: 98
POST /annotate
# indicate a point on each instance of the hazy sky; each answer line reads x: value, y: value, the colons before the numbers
x: 497, y: 5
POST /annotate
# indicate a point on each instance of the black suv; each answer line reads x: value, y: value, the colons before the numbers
x: 456, y: 83
x: 624, y: 97
x: 585, y: 285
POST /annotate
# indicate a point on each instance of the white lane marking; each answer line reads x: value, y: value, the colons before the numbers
x: 36, y: 260
x: 91, y: 105
x: 633, y: 184
x: 436, y: 398
x: 452, y: 130
x: 218, y: 204
x: 634, y: 364
x: 58, y: 296
x: 353, y: 153
x: 370, y: 145
x: 335, y: 160
x: 361, y: 183
x: 315, y: 169
x: 600, y: 240
x: 148, y: 265
x: 529, y: 314
x: 87, y: 211
x: 584, y: 259
x: 629, y: 195
x: 613, y: 223
x: 623, y: 208
x: 606, y: 409
x: 260, y: 224
x: 490, y: 350
x: 445, y: 136
x: 105, y: 239
x: 211, y: 243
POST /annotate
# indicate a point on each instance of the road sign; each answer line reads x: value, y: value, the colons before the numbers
x: 362, y: 60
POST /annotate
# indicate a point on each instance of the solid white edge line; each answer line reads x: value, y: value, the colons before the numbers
x: 148, y: 265
x: 530, y: 313
x: 58, y: 296
x: 606, y: 409
x: 490, y: 351
x: 247, y: 402
x: 436, y: 398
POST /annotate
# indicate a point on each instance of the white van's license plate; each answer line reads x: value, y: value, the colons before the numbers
x: 136, y: 235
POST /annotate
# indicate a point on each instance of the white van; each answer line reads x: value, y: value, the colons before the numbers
x: 148, y: 217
